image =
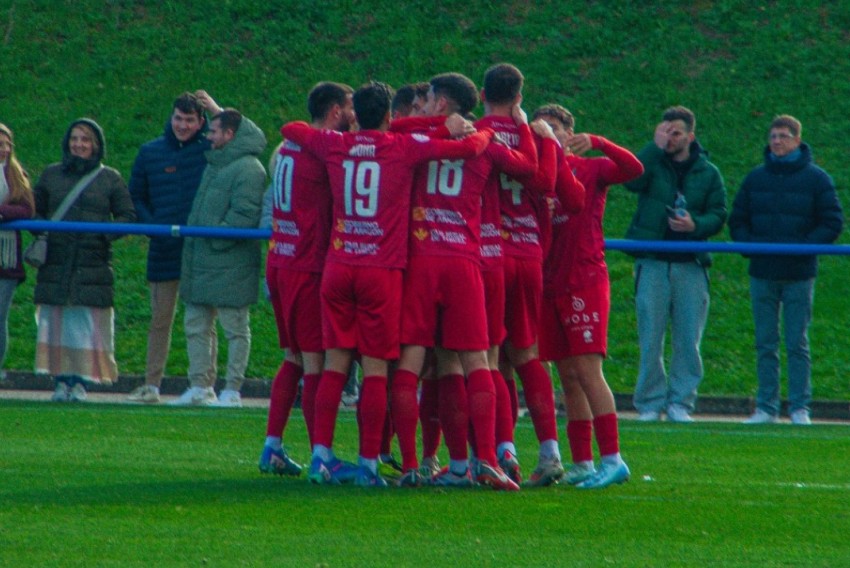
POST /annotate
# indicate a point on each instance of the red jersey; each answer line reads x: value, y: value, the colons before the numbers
x: 301, y: 213
x: 519, y: 201
x: 577, y: 257
x: 371, y: 173
x: 447, y: 194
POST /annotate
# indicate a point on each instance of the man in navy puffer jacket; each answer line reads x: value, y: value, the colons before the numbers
x: 163, y: 183
x: 788, y: 199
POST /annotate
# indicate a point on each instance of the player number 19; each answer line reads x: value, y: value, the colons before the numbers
x: 362, y: 180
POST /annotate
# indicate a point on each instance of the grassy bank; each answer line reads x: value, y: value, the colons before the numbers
x: 616, y: 65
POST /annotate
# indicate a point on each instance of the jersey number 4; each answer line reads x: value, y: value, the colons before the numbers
x: 362, y: 180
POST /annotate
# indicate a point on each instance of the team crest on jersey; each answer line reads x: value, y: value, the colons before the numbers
x: 340, y: 225
x: 505, y: 235
x: 338, y: 244
x: 578, y: 304
x: 418, y: 213
x: 420, y: 234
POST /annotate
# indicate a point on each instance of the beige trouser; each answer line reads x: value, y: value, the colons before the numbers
x: 202, y: 342
x: 163, y: 307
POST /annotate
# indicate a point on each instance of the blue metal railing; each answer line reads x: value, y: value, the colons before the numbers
x: 227, y: 233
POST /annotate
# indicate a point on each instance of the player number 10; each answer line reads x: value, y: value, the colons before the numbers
x: 283, y: 183
x: 362, y: 180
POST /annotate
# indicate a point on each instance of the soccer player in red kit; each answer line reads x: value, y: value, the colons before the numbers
x: 522, y: 207
x: 444, y: 294
x: 371, y: 174
x: 301, y: 217
x: 576, y: 302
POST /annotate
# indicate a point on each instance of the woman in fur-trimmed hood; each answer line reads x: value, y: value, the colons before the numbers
x: 74, y: 287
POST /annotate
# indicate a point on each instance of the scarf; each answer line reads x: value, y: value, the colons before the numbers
x: 8, y: 239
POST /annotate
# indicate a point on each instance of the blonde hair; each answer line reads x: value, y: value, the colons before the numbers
x: 20, y: 191
x: 95, y: 141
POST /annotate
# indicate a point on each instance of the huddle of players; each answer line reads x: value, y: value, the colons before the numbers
x: 421, y: 241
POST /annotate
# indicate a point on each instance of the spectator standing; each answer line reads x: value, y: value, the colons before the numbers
x: 681, y: 197
x: 16, y: 202
x: 220, y: 277
x: 74, y: 288
x: 163, y: 183
x: 787, y: 199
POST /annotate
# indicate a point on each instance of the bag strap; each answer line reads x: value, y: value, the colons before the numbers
x: 75, y: 193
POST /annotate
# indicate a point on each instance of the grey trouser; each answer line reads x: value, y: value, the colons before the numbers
x: 202, y: 343
x: 674, y: 293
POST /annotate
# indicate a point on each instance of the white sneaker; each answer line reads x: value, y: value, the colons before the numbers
x: 761, y: 417
x: 649, y: 416
x: 195, y: 396
x: 229, y: 398
x: 148, y: 394
x: 678, y: 413
x: 801, y: 417
x: 78, y: 393
x: 61, y: 392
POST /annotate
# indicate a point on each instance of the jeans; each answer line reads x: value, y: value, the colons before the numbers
x: 202, y: 342
x: 674, y: 293
x: 7, y: 292
x: 796, y: 299
x: 163, y: 306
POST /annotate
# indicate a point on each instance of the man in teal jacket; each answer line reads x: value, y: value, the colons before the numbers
x: 220, y: 277
x: 681, y: 197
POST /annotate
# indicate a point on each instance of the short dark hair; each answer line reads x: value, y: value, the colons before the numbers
x: 502, y: 83
x: 794, y: 126
x: 188, y: 103
x: 371, y: 104
x: 681, y: 113
x: 229, y: 119
x: 559, y: 113
x: 459, y: 89
x: 324, y: 96
x: 402, y: 102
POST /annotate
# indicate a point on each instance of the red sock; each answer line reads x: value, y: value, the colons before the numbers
x: 373, y: 411
x: 607, y: 434
x: 387, y: 435
x: 284, y: 389
x: 504, y: 417
x: 308, y: 403
x: 540, y: 399
x: 482, y: 413
x: 326, y: 407
x: 580, y: 436
x: 511, y: 386
x: 405, y: 413
x: 429, y: 419
x: 454, y: 415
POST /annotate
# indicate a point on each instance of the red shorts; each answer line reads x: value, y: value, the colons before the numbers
x: 523, y: 289
x: 494, y: 302
x: 297, y: 308
x: 444, y: 297
x: 361, y: 309
x: 575, y: 323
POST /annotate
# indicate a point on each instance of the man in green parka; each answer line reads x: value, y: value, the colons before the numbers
x: 220, y: 277
x: 681, y: 197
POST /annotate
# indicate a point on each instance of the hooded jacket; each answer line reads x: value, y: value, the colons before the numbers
x: 163, y: 183
x: 786, y: 202
x: 226, y: 272
x: 78, y: 270
x: 702, y: 186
